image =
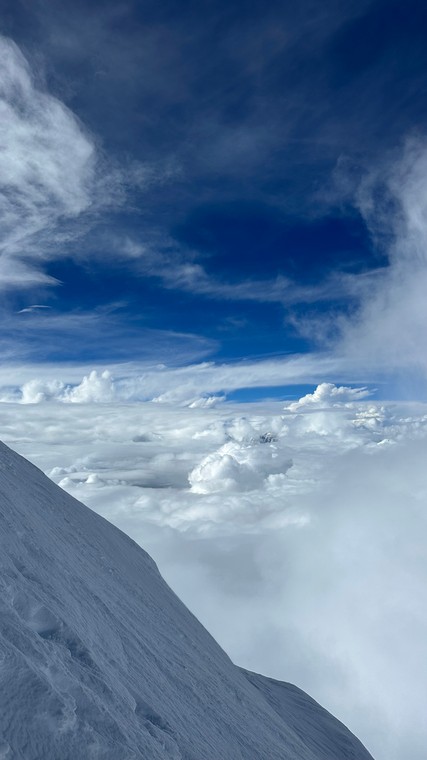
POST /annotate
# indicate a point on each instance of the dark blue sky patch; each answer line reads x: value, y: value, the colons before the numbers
x: 256, y: 241
x: 376, y: 36
x: 236, y: 329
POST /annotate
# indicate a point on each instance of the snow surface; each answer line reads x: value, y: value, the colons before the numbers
x: 100, y: 659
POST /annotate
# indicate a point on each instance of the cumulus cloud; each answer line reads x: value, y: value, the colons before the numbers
x: 328, y: 394
x: 36, y: 391
x: 94, y: 387
x: 47, y: 170
x: 237, y: 466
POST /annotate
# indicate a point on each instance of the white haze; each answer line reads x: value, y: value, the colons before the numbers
x: 296, y: 535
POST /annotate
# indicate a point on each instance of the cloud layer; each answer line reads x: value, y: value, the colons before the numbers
x: 296, y: 533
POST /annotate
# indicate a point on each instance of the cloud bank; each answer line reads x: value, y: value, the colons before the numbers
x: 296, y: 532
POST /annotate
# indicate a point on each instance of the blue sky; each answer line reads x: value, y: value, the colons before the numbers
x: 213, y: 181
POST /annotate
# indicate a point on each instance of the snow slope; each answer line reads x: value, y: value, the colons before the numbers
x: 99, y: 658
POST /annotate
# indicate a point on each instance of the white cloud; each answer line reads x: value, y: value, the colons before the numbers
x: 33, y: 308
x: 205, y: 402
x: 313, y: 573
x: 47, y: 171
x: 328, y: 394
x: 36, y: 391
x: 93, y: 388
x: 387, y: 333
x: 53, y: 176
x: 238, y: 466
x: 193, y: 385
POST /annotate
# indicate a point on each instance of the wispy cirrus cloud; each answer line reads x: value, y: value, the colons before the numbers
x: 179, y: 269
x: 47, y: 171
x: 54, y: 177
x: 107, y: 333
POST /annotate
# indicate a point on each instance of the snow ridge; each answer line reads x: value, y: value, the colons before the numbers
x: 99, y: 658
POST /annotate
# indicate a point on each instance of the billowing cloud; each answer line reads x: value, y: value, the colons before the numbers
x: 36, y: 391
x: 240, y: 466
x: 387, y: 333
x: 93, y: 387
x: 327, y: 395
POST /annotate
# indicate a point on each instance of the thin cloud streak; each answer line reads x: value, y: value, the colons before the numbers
x: 181, y: 270
x: 107, y: 334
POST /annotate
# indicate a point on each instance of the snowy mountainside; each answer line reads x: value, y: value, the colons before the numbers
x: 100, y: 659
x: 311, y: 722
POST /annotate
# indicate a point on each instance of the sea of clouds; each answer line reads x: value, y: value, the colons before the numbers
x: 296, y: 532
